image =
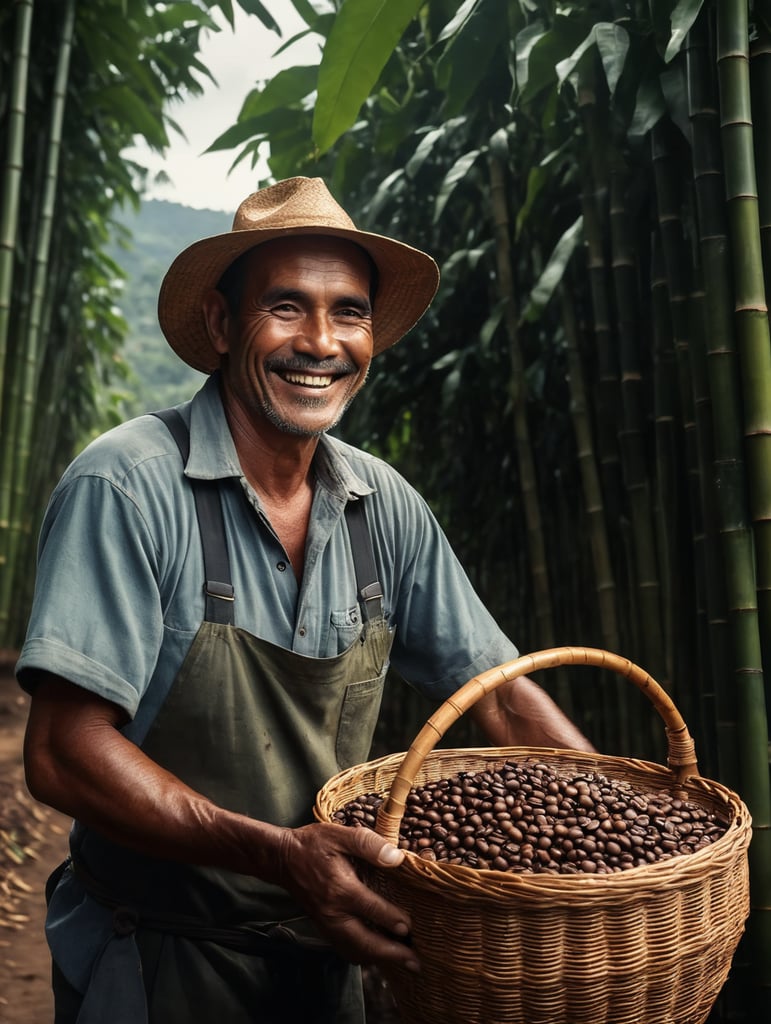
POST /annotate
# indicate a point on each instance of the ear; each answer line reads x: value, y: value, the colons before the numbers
x: 217, y: 318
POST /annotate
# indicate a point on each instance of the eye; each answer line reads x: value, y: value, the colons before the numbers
x: 353, y: 313
x: 285, y: 309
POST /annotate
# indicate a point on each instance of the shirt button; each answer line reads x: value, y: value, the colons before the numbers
x: 302, y: 631
x: 281, y: 566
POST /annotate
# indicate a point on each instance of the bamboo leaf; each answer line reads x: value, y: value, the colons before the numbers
x: 612, y: 42
x: 554, y: 271
x: 524, y: 44
x: 425, y: 146
x: 650, y: 107
x: 454, y: 176
x: 260, y: 11
x: 457, y: 21
x: 423, y: 150
x: 235, y: 135
x: 683, y: 17
x: 136, y: 114
x: 490, y: 326
x: 469, y: 54
x: 389, y: 187
x: 539, y: 53
x: 175, y: 16
x: 362, y: 39
x: 285, y: 89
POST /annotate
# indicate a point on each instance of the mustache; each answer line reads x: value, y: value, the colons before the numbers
x: 300, y: 363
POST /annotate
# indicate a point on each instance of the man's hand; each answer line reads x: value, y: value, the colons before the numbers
x: 78, y: 761
x: 317, y: 866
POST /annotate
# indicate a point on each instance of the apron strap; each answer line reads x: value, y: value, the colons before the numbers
x: 218, y: 586
x: 367, y: 583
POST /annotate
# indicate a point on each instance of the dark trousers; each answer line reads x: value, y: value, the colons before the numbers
x: 304, y: 988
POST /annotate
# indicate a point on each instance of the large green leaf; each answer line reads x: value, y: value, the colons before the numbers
x: 682, y: 19
x: 469, y: 54
x: 650, y: 107
x: 539, y: 52
x: 554, y: 271
x: 362, y: 39
x: 452, y: 179
x: 286, y: 88
x: 427, y: 142
x: 612, y: 42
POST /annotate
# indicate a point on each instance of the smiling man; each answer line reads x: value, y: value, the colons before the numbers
x: 221, y: 589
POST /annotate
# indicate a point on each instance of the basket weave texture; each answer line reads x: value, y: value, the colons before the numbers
x: 651, y: 945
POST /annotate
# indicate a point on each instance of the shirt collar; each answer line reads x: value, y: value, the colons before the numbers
x: 213, y: 453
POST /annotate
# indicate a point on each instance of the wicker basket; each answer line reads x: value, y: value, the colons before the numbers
x: 651, y: 945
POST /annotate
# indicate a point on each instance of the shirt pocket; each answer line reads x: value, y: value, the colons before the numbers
x: 346, y: 627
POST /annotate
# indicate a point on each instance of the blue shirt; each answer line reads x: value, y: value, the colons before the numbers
x: 119, y: 594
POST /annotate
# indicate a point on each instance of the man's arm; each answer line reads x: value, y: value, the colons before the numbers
x: 77, y: 761
x: 521, y: 714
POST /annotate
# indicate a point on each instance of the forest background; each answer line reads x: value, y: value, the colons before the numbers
x: 587, y: 405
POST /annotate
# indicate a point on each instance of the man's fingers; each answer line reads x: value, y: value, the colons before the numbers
x: 373, y: 848
x: 362, y: 944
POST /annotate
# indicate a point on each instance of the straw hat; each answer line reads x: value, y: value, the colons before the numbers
x: 407, y: 277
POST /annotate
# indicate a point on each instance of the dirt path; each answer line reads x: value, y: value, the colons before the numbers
x: 33, y: 839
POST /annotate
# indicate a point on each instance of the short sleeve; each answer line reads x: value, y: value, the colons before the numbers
x: 444, y: 633
x: 96, y: 616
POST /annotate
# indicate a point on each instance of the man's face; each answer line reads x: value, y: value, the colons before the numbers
x: 299, y: 347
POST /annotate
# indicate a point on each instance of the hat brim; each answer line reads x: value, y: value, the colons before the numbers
x: 407, y: 282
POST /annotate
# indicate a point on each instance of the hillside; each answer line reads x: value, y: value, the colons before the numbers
x: 159, y: 230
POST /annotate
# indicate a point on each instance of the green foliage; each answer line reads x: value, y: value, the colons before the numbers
x: 361, y: 39
x: 128, y: 59
x: 567, y: 441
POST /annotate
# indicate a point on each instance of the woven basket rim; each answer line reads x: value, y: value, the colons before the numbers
x: 490, y: 884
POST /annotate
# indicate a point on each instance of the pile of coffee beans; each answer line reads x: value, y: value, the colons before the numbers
x: 526, y: 816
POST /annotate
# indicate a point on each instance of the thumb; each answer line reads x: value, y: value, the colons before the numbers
x: 376, y: 850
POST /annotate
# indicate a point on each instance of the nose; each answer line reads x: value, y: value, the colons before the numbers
x: 319, y: 338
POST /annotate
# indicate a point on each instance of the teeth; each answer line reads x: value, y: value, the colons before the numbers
x: 307, y: 381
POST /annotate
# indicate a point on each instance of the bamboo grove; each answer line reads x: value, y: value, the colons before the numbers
x: 587, y: 405
x: 79, y: 82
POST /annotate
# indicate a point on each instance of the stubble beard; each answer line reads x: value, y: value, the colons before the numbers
x: 288, y: 426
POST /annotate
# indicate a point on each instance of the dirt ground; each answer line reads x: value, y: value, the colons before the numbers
x: 33, y: 840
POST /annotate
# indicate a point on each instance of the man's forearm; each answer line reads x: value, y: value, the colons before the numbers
x: 521, y: 713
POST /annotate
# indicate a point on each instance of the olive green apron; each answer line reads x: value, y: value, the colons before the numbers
x: 257, y: 729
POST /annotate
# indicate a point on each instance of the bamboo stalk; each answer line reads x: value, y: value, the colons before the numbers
x: 12, y: 176
x: 728, y: 473
x: 28, y: 367
x: 535, y: 536
x: 686, y: 309
x: 633, y: 459
x: 760, y: 81
x: 602, y: 563
x: 754, y: 348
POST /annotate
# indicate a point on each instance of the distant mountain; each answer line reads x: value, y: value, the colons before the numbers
x: 159, y: 231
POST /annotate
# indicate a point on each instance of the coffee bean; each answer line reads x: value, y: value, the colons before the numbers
x: 528, y: 817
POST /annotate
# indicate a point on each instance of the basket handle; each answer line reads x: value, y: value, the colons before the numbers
x: 681, y: 756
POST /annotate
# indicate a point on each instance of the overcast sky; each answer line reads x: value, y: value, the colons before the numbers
x: 237, y: 60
